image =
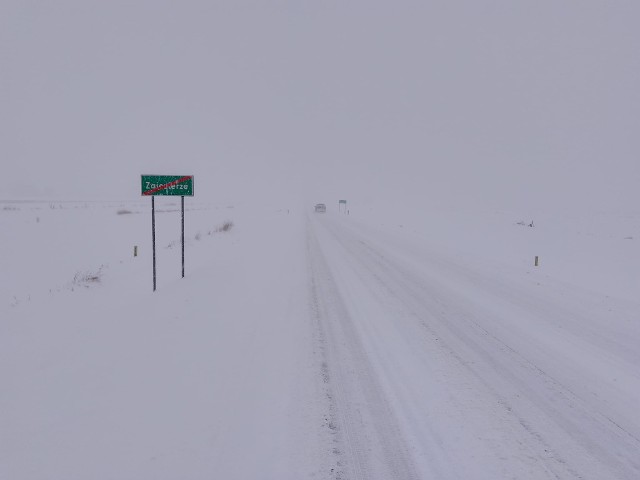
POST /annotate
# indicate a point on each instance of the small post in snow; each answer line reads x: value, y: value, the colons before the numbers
x: 536, y: 261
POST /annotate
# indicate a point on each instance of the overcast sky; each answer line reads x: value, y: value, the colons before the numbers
x: 498, y: 103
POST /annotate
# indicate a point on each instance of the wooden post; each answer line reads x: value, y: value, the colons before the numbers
x: 536, y: 262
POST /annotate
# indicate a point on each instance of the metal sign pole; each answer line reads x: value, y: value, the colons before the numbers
x: 167, y: 185
x: 183, y: 236
x: 153, y: 238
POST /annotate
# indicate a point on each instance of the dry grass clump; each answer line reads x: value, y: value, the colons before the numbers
x: 225, y: 227
x: 86, y: 279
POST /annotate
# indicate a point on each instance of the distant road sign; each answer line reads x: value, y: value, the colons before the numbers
x: 342, y: 201
x: 179, y: 185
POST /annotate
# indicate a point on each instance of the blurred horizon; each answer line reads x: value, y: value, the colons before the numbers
x: 495, y: 104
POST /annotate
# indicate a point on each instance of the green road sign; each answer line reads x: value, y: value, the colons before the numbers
x: 180, y: 185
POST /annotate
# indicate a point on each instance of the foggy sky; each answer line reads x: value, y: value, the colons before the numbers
x: 497, y: 103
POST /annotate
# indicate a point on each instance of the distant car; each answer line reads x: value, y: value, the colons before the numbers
x: 321, y: 208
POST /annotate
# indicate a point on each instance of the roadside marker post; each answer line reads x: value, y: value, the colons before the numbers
x: 166, y: 185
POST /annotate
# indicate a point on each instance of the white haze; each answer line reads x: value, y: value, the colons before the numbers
x: 530, y: 105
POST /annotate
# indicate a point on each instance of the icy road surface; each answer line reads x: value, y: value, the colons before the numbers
x: 302, y: 345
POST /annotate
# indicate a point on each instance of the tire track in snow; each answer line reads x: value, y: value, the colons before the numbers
x: 528, y: 397
x: 368, y: 444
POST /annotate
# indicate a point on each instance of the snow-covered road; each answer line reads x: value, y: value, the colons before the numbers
x: 299, y: 346
x: 436, y: 370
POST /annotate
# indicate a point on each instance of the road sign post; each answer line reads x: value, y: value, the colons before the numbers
x: 153, y: 238
x: 340, y: 203
x: 166, y: 185
x: 182, y: 202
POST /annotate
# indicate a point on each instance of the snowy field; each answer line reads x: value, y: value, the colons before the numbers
x: 375, y: 345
